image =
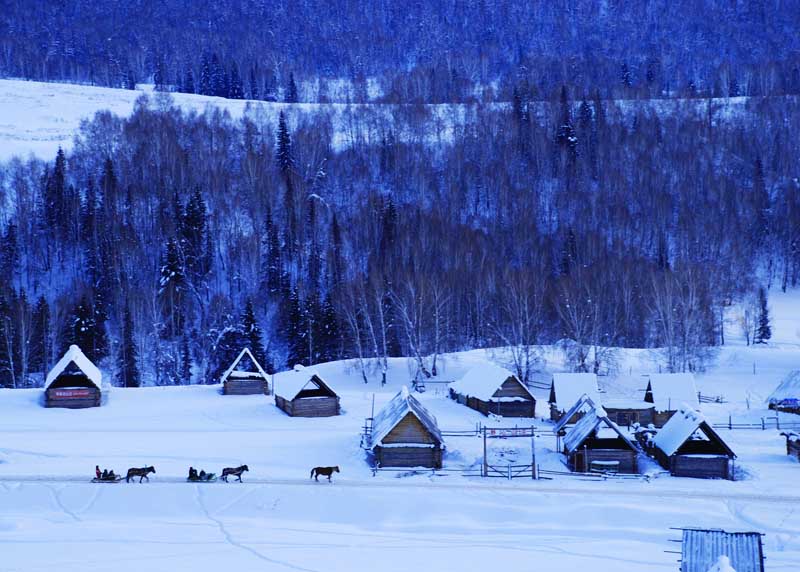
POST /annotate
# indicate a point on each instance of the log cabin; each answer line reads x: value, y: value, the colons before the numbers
x: 688, y: 446
x: 792, y: 443
x: 565, y: 391
x: 74, y: 382
x: 597, y: 443
x: 245, y: 376
x: 405, y: 434
x: 492, y: 389
x: 303, y: 393
x: 668, y: 392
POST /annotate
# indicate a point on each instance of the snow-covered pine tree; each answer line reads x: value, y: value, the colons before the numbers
x: 188, y: 81
x: 206, y: 87
x: 253, y: 92
x: 252, y: 333
x: 293, y: 330
x: 284, y: 146
x: 763, y: 328
x: 291, y: 90
x: 236, y: 88
x: 39, y: 353
x: 128, y: 368
x: 186, y: 360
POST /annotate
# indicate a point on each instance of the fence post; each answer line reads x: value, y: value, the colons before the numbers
x: 763, y: 426
x: 509, y: 471
x: 778, y: 420
x: 730, y: 423
x: 485, y: 462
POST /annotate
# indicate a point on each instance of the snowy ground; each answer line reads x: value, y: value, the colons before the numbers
x: 278, y: 519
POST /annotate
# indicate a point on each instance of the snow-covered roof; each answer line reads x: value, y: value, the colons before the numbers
x: 792, y: 436
x: 74, y: 355
x: 584, y: 404
x: 671, y: 390
x: 588, y: 425
x: 788, y: 389
x: 483, y: 381
x: 701, y: 550
x: 233, y: 372
x: 569, y: 387
x: 396, y: 410
x: 289, y: 384
x: 680, y: 427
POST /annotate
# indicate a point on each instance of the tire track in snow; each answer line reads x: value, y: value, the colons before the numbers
x: 233, y: 542
x: 57, y: 498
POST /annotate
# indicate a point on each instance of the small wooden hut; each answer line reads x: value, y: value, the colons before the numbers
x: 668, y: 392
x: 786, y: 396
x: 597, y: 443
x: 627, y: 412
x: 405, y: 434
x: 565, y: 391
x: 688, y: 446
x: 245, y: 376
x: 74, y: 382
x: 303, y: 393
x: 792, y: 443
x: 701, y: 550
x: 493, y: 389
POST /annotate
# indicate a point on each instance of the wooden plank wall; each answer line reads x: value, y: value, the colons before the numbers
x: 316, y: 407
x: 245, y: 387
x: 409, y: 457
x: 51, y: 400
x: 705, y: 467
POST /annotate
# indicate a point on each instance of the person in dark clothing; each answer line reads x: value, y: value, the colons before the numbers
x: 192, y: 474
x: 97, y: 472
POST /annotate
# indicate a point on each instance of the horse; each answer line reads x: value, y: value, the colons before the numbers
x: 324, y: 471
x: 141, y: 473
x: 237, y: 472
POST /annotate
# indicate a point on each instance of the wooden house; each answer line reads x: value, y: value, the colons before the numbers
x: 303, y: 393
x: 74, y: 382
x: 493, y: 389
x: 688, y: 446
x: 786, y: 396
x: 627, y: 412
x: 245, y: 376
x: 703, y: 549
x: 792, y: 443
x: 597, y: 443
x: 405, y: 434
x: 669, y: 392
x: 565, y: 391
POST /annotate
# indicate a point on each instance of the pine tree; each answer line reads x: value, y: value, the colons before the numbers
x: 128, y: 370
x: 186, y: 360
x: 9, y: 256
x: 291, y: 91
x: 188, y: 81
x: 194, y: 230
x: 39, y: 355
x: 253, y: 84
x: 252, y: 333
x: 7, y: 336
x: 229, y: 345
x: 763, y: 328
x: 172, y: 283
x: 206, y: 87
x: 82, y: 329
x: 217, y: 78
x: 328, y: 332
x: 236, y: 88
x: 294, y: 331
x: 284, y: 146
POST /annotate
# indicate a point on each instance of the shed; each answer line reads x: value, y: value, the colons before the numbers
x: 668, y: 392
x: 688, y: 446
x: 792, y: 443
x: 74, y: 382
x: 303, y: 393
x: 582, y: 406
x: 567, y: 388
x: 596, y: 440
x: 626, y: 412
x: 786, y: 396
x: 245, y: 376
x: 701, y: 549
x: 405, y: 434
x: 492, y: 389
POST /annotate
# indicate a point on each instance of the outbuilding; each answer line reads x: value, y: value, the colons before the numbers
x: 702, y: 550
x: 565, y: 391
x: 792, y: 443
x: 245, y: 376
x: 668, y: 392
x: 405, y: 434
x: 74, y: 382
x: 303, y: 393
x: 627, y: 412
x: 688, y: 446
x: 786, y: 396
x: 492, y: 389
x: 596, y: 443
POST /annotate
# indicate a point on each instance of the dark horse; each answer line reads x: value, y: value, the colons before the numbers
x: 237, y: 472
x: 141, y: 473
x: 324, y: 471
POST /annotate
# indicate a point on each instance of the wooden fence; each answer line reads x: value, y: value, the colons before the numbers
x: 764, y: 424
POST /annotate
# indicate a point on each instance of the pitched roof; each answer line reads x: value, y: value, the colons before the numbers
x: 569, y: 387
x: 588, y: 425
x: 233, y: 371
x: 789, y: 388
x: 289, y: 384
x: 74, y: 355
x: 483, y: 381
x: 701, y: 549
x: 584, y: 404
x: 671, y: 390
x: 396, y: 410
x: 680, y: 427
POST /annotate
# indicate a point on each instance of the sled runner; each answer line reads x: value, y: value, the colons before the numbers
x: 116, y: 479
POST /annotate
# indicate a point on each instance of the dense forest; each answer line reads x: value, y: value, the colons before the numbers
x: 165, y: 241
x: 398, y: 51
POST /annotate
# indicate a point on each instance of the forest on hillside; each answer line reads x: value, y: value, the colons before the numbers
x: 410, y: 52
x: 163, y: 242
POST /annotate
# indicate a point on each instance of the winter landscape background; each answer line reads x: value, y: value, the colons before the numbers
x: 396, y: 192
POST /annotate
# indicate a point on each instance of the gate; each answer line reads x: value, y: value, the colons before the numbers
x: 509, y: 471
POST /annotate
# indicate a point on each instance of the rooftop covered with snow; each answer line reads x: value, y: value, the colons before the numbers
x: 588, y: 425
x: 681, y: 427
x: 668, y: 391
x: 701, y: 550
x: 567, y: 388
x: 787, y: 390
x: 233, y: 372
x: 483, y: 381
x: 75, y: 356
x: 289, y: 384
x: 396, y: 410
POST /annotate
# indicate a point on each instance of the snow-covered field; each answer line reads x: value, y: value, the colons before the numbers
x: 278, y: 519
